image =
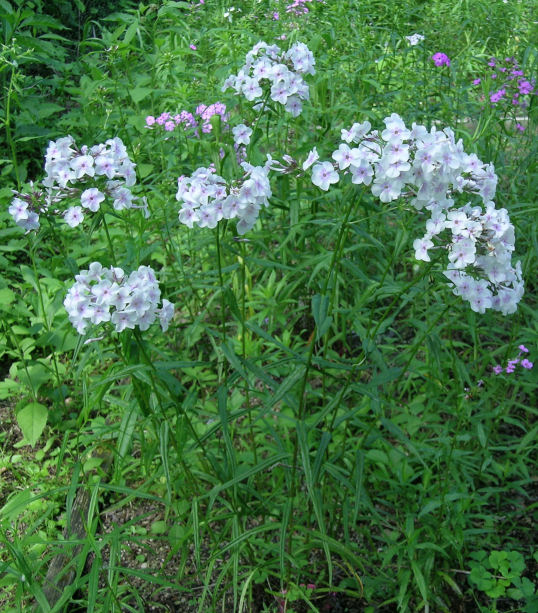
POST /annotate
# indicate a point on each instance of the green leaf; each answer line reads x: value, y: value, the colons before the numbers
x: 32, y: 420
x: 420, y: 581
x: 158, y: 527
x: 130, y: 33
x: 320, y: 308
x: 6, y: 297
x: 139, y: 93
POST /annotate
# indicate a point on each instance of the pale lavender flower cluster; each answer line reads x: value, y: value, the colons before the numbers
x: 431, y: 169
x: 109, y: 295
x: 201, y: 119
x: 206, y: 198
x: 281, y: 71
x: 511, y: 366
x: 107, y: 165
x: 415, y: 39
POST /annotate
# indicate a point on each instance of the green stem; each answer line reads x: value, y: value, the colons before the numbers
x: 45, y: 320
x: 244, y: 345
x: 221, y: 282
x: 7, y: 123
x: 109, y: 240
x: 302, y: 399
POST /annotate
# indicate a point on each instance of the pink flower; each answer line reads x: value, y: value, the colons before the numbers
x: 441, y: 59
x: 525, y: 87
x: 498, y: 369
x: 526, y: 364
x: 523, y: 349
x: 193, y: 47
x: 150, y: 120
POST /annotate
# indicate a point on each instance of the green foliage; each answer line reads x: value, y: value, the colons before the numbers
x: 319, y: 429
x: 500, y: 574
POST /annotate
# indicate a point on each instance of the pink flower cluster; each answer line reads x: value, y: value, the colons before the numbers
x: 298, y: 7
x: 512, y: 88
x: 201, y: 119
x: 511, y: 365
x: 441, y: 59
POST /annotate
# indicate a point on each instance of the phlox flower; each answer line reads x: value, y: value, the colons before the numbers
x: 241, y: 134
x: 357, y: 132
x: 324, y: 175
x: 431, y: 168
x: 414, y: 39
x: 441, y: 59
x: 18, y: 210
x: 102, y: 295
x: 91, y: 199
x: 312, y: 157
x: 73, y: 216
x: 268, y: 65
x: 387, y: 190
x: 106, y: 165
x: 363, y: 173
x: 421, y: 246
x: 207, y: 199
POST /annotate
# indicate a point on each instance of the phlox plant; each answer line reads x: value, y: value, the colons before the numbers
x: 271, y: 330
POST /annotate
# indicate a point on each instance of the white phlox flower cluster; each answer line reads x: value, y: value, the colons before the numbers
x: 110, y: 295
x: 414, y: 39
x: 206, y: 198
x: 267, y: 66
x: 106, y: 165
x: 432, y: 170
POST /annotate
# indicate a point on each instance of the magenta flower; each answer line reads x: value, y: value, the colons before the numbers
x: 526, y: 364
x: 441, y: 59
x: 477, y: 81
x: 497, y: 369
x: 496, y: 96
x: 525, y: 87
x: 523, y: 349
